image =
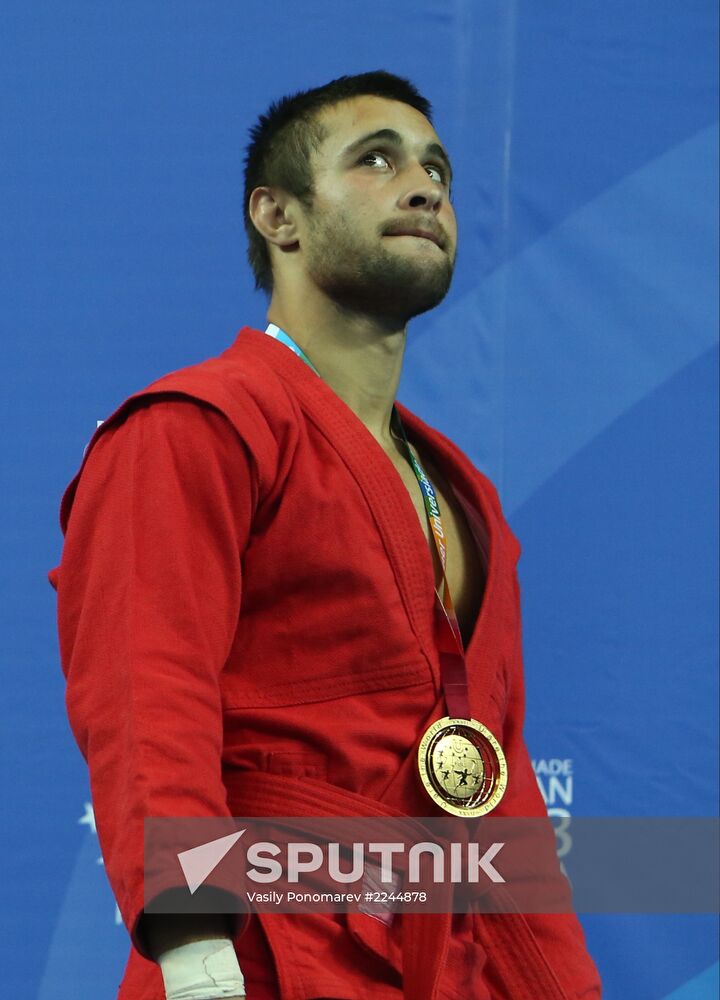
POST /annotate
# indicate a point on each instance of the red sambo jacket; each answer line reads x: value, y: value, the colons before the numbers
x: 245, y: 587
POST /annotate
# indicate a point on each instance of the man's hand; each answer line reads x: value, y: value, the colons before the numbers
x: 195, y: 953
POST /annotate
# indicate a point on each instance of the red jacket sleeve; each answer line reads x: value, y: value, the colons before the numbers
x: 149, y: 589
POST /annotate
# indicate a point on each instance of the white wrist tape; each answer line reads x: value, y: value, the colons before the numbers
x: 202, y: 970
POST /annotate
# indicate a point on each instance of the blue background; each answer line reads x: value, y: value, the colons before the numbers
x: 575, y: 360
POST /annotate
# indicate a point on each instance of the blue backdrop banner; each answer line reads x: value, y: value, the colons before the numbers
x: 580, y: 356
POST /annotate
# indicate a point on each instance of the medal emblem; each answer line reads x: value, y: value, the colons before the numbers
x: 462, y: 767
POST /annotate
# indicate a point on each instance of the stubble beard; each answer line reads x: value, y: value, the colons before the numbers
x: 372, y: 280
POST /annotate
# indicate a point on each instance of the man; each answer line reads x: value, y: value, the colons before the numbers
x: 248, y: 583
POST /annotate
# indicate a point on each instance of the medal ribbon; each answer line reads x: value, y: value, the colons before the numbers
x: 453, y: 671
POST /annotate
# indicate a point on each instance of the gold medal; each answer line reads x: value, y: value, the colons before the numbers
x: 462, y: 766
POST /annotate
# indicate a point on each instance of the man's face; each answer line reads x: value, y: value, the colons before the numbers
x: 380, y: 236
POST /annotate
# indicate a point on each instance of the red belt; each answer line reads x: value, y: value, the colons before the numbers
x: 506, y: 937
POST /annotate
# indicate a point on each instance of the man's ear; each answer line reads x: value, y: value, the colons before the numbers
x: 273, y: 214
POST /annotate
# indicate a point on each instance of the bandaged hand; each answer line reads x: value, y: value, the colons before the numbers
x: 202, y: 970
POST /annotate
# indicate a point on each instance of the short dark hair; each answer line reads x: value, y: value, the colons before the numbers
x: 283, y: 139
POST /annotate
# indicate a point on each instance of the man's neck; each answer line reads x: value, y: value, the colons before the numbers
x: 358, y: 356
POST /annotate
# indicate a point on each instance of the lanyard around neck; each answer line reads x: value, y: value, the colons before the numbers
x: 453, y: 671
x: 277, y: 334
